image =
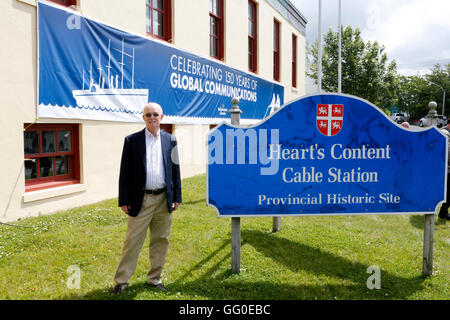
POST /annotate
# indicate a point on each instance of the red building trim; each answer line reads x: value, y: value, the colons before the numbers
x: 73, y: 157
x: 166, y: 13
x: 276, y: 50
x: 252, y: 36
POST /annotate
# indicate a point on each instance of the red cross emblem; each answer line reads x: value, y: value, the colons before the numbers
x: 329, y: 118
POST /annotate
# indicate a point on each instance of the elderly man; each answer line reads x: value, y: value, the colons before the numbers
x: 149, y: 190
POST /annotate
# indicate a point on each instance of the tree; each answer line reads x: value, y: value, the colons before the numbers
x: 365, y: 69
x: 415, y: 92
x: 413, y: 96
x: 440, y: 76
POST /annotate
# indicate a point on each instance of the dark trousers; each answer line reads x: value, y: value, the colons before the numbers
x: 446, y: 205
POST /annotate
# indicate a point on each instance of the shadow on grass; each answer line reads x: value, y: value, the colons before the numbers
x: 194, y: 201
x: 298, y: 256
x: 418, y: 221
x: 293, y: 255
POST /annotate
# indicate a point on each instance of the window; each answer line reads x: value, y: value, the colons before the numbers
x: 167, y: 127
x: 216, y: 29
x: 158, y: 14
x: 276, y: 50
x: 65, y: 3
x: 294, y: 61
x: 51, y: 156
x: 252, y: 36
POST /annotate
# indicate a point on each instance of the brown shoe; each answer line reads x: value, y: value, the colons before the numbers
x: 159, y: 286
x: 119, y: 288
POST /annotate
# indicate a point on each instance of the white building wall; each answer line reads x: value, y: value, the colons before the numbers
x: 101, y: 142
x: 188, y: 26
x: 125, y: 15
x: 236, y: 34
x: 18, y: 98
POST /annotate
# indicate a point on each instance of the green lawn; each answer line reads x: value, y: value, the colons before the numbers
x: 310, y: 258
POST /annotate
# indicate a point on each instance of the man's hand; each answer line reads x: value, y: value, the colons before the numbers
x: 125, y: 209
x: 175, y: 205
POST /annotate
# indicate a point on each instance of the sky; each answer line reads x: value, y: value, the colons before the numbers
x: 415, y: 33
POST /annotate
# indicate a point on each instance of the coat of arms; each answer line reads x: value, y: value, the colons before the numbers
x: 329, y: 118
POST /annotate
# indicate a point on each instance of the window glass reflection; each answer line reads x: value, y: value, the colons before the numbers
x: 214, y: 7
x: 158, y: 4
x: 31, y: 142
x: 48, y: 141
x: 62, y: 165
x: 46, y: 166
x: 30, y: 169
x: 149, y: 20
x: 158, y: 24
x: 64, y: 141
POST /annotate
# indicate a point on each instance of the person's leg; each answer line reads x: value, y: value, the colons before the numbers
x: 159, y: 239
x: 135, y: 237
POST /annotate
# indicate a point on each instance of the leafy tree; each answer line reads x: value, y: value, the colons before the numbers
x: 413, y: 96
x: 365, y: 69
x: 440, y: 76
x: 366, y: 73
x: 415, y: 92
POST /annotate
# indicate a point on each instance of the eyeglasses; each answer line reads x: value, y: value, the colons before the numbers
x: 148, y: 115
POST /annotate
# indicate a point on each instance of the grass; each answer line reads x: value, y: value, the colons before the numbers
x: 310, y: 258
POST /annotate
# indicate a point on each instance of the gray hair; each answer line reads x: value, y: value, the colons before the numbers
x: 153, y: 104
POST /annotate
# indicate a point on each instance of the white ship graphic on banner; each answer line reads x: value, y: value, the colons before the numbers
x: 114, y: 96
x: 275, y: 105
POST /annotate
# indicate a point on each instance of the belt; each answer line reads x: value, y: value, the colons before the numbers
x: 155, y: 191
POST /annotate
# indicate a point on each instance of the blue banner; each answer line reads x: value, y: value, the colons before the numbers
x: 326, y: 154
x: 89, y: 70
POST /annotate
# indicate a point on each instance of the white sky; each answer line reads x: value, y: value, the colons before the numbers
x: 416, y: 33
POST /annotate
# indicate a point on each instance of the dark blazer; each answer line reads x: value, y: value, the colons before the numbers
x: 133, y: 171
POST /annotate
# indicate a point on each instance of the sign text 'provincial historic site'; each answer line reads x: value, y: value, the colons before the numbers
x: 325, y: 154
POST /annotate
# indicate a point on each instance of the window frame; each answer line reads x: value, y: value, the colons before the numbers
x: 73, y: 176
x: 294, y: 60
x: 167, y: 20
x: 220, y: 37
x: 167, y: 127
x: 253, y: 55
x: 276, y: 49
x: 64, y: 4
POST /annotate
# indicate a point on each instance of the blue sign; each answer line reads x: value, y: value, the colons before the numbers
x: 89, y: 70
x: 326, y: 154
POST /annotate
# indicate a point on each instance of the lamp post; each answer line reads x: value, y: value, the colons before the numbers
x: 235, y: 112
x: 443, y: 97
x: 339, y: 51
x: 319, y: 54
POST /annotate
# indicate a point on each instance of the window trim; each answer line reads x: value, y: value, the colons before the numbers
x: 276, y: 49
x: 294, y: 60
x: 220, y: 18
x: 167, y: 127
x: 73, y: 176
x: 167, y: 23
x: 61, y: 2
x: 53, y: 192
x: 254, y: 55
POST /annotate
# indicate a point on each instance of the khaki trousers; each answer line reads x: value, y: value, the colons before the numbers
x: 155, y: 216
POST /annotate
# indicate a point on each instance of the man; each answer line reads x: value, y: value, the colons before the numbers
x: 149, y: 190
